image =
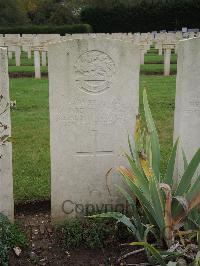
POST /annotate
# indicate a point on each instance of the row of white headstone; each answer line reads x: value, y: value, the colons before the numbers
x: 39, y: 44
x: 94, y: 99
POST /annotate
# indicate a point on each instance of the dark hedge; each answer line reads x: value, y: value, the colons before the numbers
x: 144, y: 17
x: 76, y: 28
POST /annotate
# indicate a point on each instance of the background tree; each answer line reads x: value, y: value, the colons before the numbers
x: 30, y: 7
x: 12, y: 12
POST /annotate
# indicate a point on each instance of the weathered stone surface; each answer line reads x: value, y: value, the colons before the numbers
x: 93, y: 86
x: 6, y: 178
x: 187, y: 111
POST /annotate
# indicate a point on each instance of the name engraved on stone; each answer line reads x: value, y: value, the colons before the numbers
x: 83, y: 112
x: 193, y: 105
x: 94, y: 71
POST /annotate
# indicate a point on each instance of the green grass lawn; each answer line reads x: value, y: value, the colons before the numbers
x: 158, y: 59
x: 24, y: 61
x: 153, y: 64
x: 30, y: 135
x: 156, y: 69
x: 161, y: 96
x: 30, y: 130
x: 25, y: 69
x: 148, y: 69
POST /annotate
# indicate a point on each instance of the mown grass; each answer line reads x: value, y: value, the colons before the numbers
x: 24, y: 61
x: 30, y: 130
x: 161, y: 96
x: 30, y: 135
x: 25, y: 69
x: 151, y: 58
x: 153, y: 64
x: 156, y: 69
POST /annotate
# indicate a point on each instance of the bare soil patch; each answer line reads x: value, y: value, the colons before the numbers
x: 43, y: 247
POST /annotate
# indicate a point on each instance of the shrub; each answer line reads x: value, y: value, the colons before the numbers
x: 90, y: 233
x: 12, y: 13
x: 144, y: 16
x: 10, y: 236
x: 76, y: 28
x: 71, y: 233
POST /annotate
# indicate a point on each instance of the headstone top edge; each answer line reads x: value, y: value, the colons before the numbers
x: 2, y: 48
x: 84, y: 40
x: 189, y: 39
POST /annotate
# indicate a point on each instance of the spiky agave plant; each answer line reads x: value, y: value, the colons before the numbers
x: 165, y: 202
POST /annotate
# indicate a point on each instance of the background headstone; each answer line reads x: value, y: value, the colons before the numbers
x: 6, y: 178
x: 187, y: 111
x: 37, y: 64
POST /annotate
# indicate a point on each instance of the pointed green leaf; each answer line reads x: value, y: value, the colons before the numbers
x: 141, y: 180
x: 185, y: 181
x: 130, y: 147
x: 194, y: 190
x: 119, y: 217
x: 145, y: 203
x: 155, y: 253
x: 184, y: 160
x: 170, y: 168
x: 157, y: 203
x: 153, y: 137
x: 137, y: 220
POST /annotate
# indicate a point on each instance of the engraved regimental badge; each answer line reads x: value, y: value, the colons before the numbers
x: 94, y: 72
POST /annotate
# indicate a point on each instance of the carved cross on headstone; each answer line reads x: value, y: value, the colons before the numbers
x: 95, y: 152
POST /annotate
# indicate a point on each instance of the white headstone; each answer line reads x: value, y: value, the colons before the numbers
x: 44, y: 58
x: 93, y: 103
x: 37, y: 64
x: 18, y: 55
x: 6, y: 178
x: 10, y: 54
x: 142, y: 53
x: 29, y: 53
x: 184, y: 29
x: 167, y: 59
x: 187, y: 111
